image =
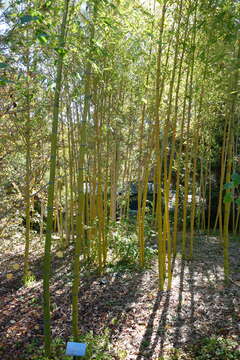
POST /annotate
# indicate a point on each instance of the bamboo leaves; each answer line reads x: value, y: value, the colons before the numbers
x: 42, y: 36
x: 145, y: 92
x: 3, y: 65
x: 229, y: 197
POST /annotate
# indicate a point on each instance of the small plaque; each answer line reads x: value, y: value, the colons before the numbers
x: 76, y: 349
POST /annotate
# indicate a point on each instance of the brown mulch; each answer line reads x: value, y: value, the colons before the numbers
x: 143, y: 322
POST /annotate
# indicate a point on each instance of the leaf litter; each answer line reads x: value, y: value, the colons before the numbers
x: 143, y: 323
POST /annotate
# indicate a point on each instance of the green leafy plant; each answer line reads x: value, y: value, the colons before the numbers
x: 124, y: 246
x: 229, y: 187
x: 98, y: 346
x: 35, y: 351
x: 29, y: 279
x: 217, y: 348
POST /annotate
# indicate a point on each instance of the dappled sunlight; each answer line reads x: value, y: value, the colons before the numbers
x: 119, y: 179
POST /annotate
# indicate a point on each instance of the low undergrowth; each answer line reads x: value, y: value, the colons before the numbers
x: 98, y: 348
x: 213, y: 348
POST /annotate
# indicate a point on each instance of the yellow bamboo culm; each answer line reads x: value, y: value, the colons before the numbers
x: 209, y: 197
x: 227, y: 207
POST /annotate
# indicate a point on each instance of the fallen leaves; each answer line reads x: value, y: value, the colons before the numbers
x: 128, y: 304
x: 59, y: 254
x: 15, y: 266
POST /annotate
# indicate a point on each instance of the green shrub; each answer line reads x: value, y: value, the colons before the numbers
x: 98, y: 346
x: 124, y: 246
x: 35, y: 350
x: 217, y: 348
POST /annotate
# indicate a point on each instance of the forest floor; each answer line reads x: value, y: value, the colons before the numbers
x: 139, y: 321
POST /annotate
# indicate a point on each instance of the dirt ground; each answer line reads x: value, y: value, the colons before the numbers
x: 143, y: 323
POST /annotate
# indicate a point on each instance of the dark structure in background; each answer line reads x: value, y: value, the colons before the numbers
x: 132, y: 190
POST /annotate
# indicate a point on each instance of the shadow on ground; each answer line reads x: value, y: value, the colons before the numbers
x: 198, y: 305
x: 104, y: 302
x: 146, y: 322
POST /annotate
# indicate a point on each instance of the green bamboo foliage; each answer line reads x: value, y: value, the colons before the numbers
x: 231, y: 115
x: 149, y: 93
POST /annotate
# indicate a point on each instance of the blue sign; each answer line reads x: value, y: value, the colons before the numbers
x: 76, y: 349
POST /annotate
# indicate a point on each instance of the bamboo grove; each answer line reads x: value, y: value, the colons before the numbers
x: 98, y: 95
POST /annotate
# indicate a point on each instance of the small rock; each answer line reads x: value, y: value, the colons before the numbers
x: 102, y: 282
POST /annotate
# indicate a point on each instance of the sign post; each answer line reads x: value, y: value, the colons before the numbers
x: 76, y: 349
